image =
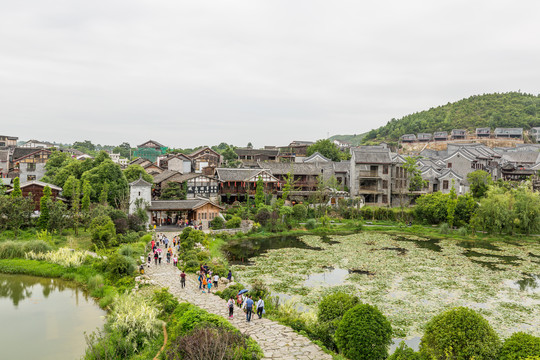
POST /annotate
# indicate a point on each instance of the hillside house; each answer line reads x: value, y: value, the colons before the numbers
x: 34, y: 189
x: 28, y: 164
x: 509, y: 133
x: 424, y: 137
x: 239, y: 184
x: 535, y: 133
x: 459, y: 134
x: 483, y: 132
x: 440, y: 136
x: 371, y: 175
x: 250, y: 155
x: 408, y: 138
x: 38, y: 144
x: 205, y: 158
x: 176, y: 162
x: 150, y: 150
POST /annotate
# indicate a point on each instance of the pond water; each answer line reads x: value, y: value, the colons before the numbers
x: 241, y: 250
x: 47, y: 318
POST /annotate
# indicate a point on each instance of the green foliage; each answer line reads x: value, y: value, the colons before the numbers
x: 461, y: 334
x: 311, y: 224
x: 58, y: 220
x: 259, y: 192
x: 166, y: 302
x: 43, y: 221
x: 364, y: 333
x: 173, y: 191
x: 119, y: 266
x: 326, y: 148
x: 334, y: 306
x: 109, y: 173
x: 299, y: 212
x: 416, y: 183
x: 17, y: 249
x: 104, y: 195
x: 479, y: 182
x: 87, y: 191
x: 17, y: 192
x: 263, y: 215
x: 230, y: 291
x: 16, y: 212
x: 234, y: 222
x: 103, y: 230
x: 217, y: 223
x: 403, y: 352
x: 520, y: 346
x: 513, y: 109
x: 70, y: 187
x: 451, y: 207
x: 135, y: 171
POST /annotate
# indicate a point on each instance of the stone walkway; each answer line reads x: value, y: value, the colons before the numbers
x: 276, y: 341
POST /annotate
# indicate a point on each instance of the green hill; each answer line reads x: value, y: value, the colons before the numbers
x: 355, y: 139
x: 513, y: 109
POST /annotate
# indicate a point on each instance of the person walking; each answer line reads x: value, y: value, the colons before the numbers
x: 249, y: 308
x: 168, y: 257
x: 209, y: 285
x: 204, y: 283
x: 229, y: 276
x: 155, y: 257
x: 183, y: 279
x: 149, y: 259
x: 260, y: 307
x: 153, y: 243
x: 159, y: 257
x: 200, y: 280
x: 216, y: 279
x: 230, y: 305
x: 175, y: 260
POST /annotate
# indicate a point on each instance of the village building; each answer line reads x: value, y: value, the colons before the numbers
x: 205, y: 160
x: 34, y: 190
x: 371, y: 174
x: 510, y: 133
x: 408, y: 138
x: 4, y: 163
x: 459, y: 134
x: 424, y: 137
x: 196, y: 185
x: 250, y: 155
x: 150, y: 150
x: 8, y: 141
x: 239, y: 184
x: 38, y: 144
x: 296, y: 151
x: 483, y: 132
x: 176, y: 162
x: 28, y: 163
x: 152, y: 169
x: 440, y: 136
x: 535, y: 133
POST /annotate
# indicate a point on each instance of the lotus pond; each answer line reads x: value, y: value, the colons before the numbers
x: 409, y: 278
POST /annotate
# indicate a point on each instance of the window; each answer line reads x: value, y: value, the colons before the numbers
x: 445, y: 184
x: 31, y: 177
x: 449, y: 165
x: 385, y: 169
x: 385, y: 184
x: 385, y: 199
x: 31, y: 167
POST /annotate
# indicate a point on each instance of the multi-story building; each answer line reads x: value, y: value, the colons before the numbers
x: 371, y: 174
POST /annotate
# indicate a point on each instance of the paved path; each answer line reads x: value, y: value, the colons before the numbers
x: 277, y: 341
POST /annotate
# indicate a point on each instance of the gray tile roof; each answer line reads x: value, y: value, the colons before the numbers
x: 229, y: 174
x: 159, y: 178
x: 293, y: 168
x: 508, y: 131
x: 140, y: 182
x: 372, y: 157
x: 171, y: 205
x: 255, y: 152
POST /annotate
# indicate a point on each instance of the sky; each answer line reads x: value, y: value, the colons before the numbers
x: 189, y: 73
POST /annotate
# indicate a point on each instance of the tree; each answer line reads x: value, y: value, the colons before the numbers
x: 70, y: 186
x: 249, y: 145
x: 58, y: 216
x: 104, y: 194
x: 103, y: 230
x: 451, y: 207
x: 173, y: 191
x: 87, y: 191
x: 124, y: 149
x: 326, y: 148
x: 55, y: 162
x: 15, y: 212
x: 17, y: 192
x: 259, y: 193
x: 416, y: 183
x: 461, y: 334
x: 43, y: 221
x: 134, y: 171
x: 364, y: 333
x: 86, y: 146
x: 520, y: 346
x: 109, y: 173
x: 479, y: 182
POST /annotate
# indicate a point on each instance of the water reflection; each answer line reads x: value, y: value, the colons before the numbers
x: 19, y: 287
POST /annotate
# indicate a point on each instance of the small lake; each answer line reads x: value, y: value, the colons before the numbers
x: 45, y: 318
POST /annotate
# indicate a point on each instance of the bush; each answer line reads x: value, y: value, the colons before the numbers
x: 230, y: 291
x: 17, y: 249
x: 403, y: 352
x: 102, y: 230
x: 234, y: 223
x: 263, y: 216
x: 520, y: 346
x: 444, y: 228
x: 311, y: 224
x: 119, y: 266
x: 299, y: 212
x: 165, y: 301
x: 217, y: 223
x: 334, y: 306
x: 107, y: 345
x: 460, y: 333
x: 364, y: 333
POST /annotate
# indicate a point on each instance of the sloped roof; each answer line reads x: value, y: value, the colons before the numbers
x: 230, y: 174
x: 520, y: 157
x: 293, y: 168
x: 508, y: 131
x: 165, y: 175
x: 20, y: 152
x: 198, y: 152
x: 255, y: 152
x: 178, y: 156
x: 192, y: 204
x: 342, y: 166
x: 140, y: 182
x: 449, y: 173
x: 372, y: 157
x: 152, y: 142
x: 315, y: 155
x: 440, y: 134
x: 139, y: 161
x: 38, y: 183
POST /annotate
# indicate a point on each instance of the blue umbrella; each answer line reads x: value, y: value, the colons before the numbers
x: 243, y: 291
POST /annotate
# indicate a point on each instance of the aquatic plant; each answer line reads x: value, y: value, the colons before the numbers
x: 63, y: 256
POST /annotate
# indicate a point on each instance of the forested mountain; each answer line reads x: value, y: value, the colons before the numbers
x: 355, y: 139
x: 513, y: 109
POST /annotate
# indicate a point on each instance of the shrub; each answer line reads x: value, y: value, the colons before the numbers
x: 119, y: 266
x: 95, y: 282
x: 403, y: 352
x: 11, y: 250
x: 37, y: 246
x: 299, y: 212
x: 165, y: 301
x: 63, y: 256
x: 519, y: 346
x: 444, y: 228
x: 364, y: 333
x: 217, y: 223
x: 107, y: 345
x: 230, y: 291
x: 203, y: 255
x: 135, y: 319
x: 311, y: 224
x: 258, y: 289
x: 460, y: 333
x: 102, y: 230
x: 334, y: 306
x: 263, y: 216
x: 234, y: 223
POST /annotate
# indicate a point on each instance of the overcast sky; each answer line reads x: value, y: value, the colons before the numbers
x: 189, y: 73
